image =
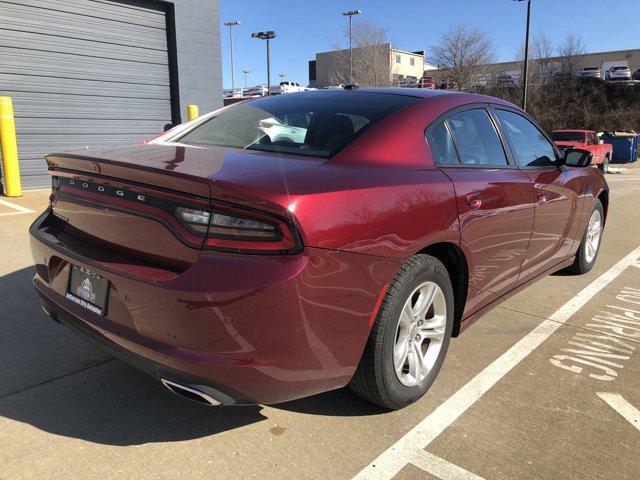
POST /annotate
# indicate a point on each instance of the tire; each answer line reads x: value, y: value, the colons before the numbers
x: 586, y: 258
x: 376, y: 379
x: 604, y: 166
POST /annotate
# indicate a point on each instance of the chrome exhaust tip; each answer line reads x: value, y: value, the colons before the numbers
x: 190, y: 392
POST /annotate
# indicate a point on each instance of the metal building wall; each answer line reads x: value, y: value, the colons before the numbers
x: 104, y: 72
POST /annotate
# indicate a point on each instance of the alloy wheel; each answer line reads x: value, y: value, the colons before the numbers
x: 420, y: 333
x: 594, y: 232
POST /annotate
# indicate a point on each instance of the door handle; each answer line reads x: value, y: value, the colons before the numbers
x: 473, y: 202
x: 541, y: 199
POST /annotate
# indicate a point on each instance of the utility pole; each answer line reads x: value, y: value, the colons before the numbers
x: 350, y: 14
x: 525, y: 79
x: 230, y: 25
x: 268, y: 35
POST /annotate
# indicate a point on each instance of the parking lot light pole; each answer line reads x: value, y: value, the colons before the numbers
x: 350, y: 14
x: 282, y: 75
x: 268, y: 35
x: 245, y: 77
x: 231, y: 25
x: 525, y: 79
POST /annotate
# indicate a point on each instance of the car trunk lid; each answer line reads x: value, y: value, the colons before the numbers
x: 124, y: 198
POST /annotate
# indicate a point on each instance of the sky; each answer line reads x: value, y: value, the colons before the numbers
x: 304, y: 28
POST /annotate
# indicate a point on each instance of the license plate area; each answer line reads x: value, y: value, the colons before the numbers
x: 88, y: 289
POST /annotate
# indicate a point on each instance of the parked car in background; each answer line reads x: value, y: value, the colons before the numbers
x: 257, y: 91
x: 480, y: 80
x: 619, y: 72
x: 636, y: 75
x: 505, y: 80
x: 287, y: 87
x: 591, y: 72
x: 238, y: 266
x: 228, y: 93
x: 586, y: 140
x: 426, y: 82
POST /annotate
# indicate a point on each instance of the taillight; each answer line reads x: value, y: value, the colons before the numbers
x: 195, y: 220
x: 232, y: 229
x: 242, y: 228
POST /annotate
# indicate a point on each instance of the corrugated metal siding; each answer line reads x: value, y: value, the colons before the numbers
x: 82, y: 72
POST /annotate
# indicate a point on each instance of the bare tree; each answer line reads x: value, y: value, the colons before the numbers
x: 371, y: 57
x: 464, y: 53
x: 542, y: 65
x: 568, y: 51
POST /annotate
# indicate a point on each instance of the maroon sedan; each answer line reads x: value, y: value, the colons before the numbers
x: 290, y: 245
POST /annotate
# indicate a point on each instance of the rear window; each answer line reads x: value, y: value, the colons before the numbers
x: 567, y: 136
x: 317, y: 124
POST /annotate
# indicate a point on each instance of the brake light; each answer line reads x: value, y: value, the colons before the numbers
x: 196, y: 220
x: 242, y: 231
x: 232, y: 229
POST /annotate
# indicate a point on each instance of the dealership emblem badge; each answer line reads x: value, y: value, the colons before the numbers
x: 86, y: 291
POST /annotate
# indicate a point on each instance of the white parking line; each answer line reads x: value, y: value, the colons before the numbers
x: 440, y: 468
x: 391, y: 461
x: 19, y: 209
x: 624, y: 408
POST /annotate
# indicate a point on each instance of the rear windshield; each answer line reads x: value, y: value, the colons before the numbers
x: 620, y: 68
x: 318, y: 124
x: 568, y: 136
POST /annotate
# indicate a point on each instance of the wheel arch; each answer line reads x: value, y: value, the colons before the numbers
x: 603, y: 196
x: 455, y: 262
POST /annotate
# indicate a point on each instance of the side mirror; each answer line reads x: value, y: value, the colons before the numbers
x: 577, y: 157
x: 168, y: 127
x: 600, y: 142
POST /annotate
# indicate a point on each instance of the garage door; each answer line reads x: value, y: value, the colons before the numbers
x: 82, y: 73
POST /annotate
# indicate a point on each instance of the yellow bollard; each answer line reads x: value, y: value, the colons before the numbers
x: 10, y: 167
x: 192, y: 111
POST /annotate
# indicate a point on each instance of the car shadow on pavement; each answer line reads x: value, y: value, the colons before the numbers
x: 340, y: 403
x: 56, y: 382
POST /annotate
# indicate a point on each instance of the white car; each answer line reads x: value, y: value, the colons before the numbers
x: 591, y: 72
x: 278, y: 132
x: 287, y: 87
x: 619, y: 72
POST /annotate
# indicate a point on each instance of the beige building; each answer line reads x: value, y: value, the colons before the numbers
x: 379, y: 65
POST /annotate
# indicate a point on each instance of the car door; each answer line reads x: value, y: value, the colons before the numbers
x: 494, y: 199
x: 555, y: 187
x: 595, y: 147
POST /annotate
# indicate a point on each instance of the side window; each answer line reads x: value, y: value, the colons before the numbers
x: 476, y: 138
x: 530, y: 147
x: 442, y: 147
x: 590, y: 139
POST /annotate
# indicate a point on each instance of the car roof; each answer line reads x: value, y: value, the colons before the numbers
x: 461, y: 97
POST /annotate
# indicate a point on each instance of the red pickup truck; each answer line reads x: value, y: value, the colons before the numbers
x: 587, y: 140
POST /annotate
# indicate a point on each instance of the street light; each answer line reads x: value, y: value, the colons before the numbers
x: 268, y: 35
x: 282, y: 75
x: 525, y: 80
x: 245, y: 77
x: 351, y: 14
x: 230, y: 25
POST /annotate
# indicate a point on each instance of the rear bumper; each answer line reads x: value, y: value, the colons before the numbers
x: 263, y: 329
